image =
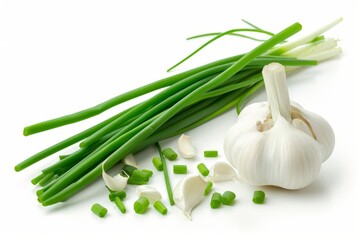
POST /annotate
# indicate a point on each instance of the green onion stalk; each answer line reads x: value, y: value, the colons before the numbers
x: 186, y: 101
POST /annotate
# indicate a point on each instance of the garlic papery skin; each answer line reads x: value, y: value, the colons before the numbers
x: 149, y: 192
x: 188, y: 193
x: 221, y: 172
x: 185, y: 147
x: 278, y: 142
x: 116, y: 183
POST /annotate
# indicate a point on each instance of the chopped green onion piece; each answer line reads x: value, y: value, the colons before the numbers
x: 140, y: 175
x: 215, y: 200
x: 203, y: 169
x: 210, y: 153
x: 119, y: 194
x: 158, y: 164
x: 170, y: 154
x: 128, y: 169
x: 141, y: 205
x: 228, y: 198
x: 159, y: 206
x: 208, y: 188
x: 259, y: 197
x: 148, y: 172
x: 99, y: 210
x: 180, y: 169
x: 37, y: 179
x: 134, y: 181
x: 120, y: 205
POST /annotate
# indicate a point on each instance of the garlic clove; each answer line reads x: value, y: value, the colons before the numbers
x: 322, y: 130
x: 116, y: 183
x: 294, y: 158
x: 185, y: 147
x: 149, y: 192
x: 130, y: 160
x: 221, y: 172
x: 188, y: 193
x: 302, y: 126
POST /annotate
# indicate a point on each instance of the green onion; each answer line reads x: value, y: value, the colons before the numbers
x: 259, y: 197
x: 166, y: 175
x: 212, y: 40
x: 120, y: 205
x: 203, y: 169
x: 148, y: 172
x: 140, y: 175
x: 129, y: 170
x: 134, y: 181
x: 157, y: 163
x: 170, y: 154
x: 99, y: 210
x: 228, y: 198
x: 159, y: 206
x: 210, y: 153
x: 208, y: 188
x: 180, y: 169
x: 141, y: 205
x: 119, y: 194
x: 38, y: 178
x: 46, y: 179
x: 61, y: 157
x: 215, y: 200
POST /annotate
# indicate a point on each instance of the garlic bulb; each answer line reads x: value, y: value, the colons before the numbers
x: 278, y: 142
x: 188, y: 193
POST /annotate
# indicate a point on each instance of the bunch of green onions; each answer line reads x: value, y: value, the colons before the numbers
x: 188, y: 99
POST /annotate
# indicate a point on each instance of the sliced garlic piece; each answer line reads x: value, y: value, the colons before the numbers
x: 116, y: 183
x: 185, y: 148
x: 130, y: 160
x: 149, y: 192
x: 188, y: 193
x: 221, y: 172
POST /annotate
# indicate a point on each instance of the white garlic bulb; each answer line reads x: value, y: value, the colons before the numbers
x: 278, y: 142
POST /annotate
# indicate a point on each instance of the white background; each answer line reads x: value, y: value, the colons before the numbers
x: 57, y: 57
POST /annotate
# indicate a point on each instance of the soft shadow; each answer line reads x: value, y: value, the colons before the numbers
x: 316, y: 189
x: 92, y: 191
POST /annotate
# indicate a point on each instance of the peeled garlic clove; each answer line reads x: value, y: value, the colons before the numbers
x: 185, y: 148
x: 221, y: 172
x: 116, y: 183
x: 188, y: 193
x: 130, y: 160
x: 149, y: 192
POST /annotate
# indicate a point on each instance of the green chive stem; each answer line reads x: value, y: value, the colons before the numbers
x: 166, y: 175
